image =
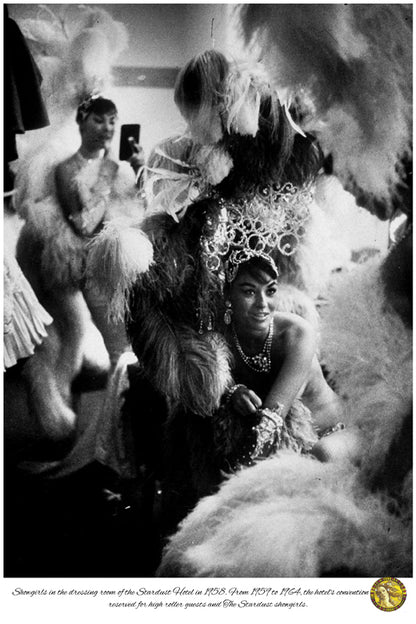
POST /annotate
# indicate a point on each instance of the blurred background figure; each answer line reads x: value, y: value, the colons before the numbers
x: 66, y: 199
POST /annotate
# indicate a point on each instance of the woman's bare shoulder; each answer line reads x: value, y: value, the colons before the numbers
x: 292, y: 323
x: 293, y: 330
x: 66, y: 166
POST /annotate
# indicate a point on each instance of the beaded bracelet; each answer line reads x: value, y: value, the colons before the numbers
x: 268, y: 431
x: 230, y: 392
x: 338, y: 427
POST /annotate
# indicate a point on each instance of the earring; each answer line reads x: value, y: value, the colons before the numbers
x: 228, y: 312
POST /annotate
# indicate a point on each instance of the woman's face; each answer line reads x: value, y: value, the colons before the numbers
x: 254, y: 300
x: 97, y: 130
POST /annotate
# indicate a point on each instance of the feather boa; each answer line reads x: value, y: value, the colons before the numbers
x: 116, y: 257
x: 175, y: 183
x: 63, y: 253
x: 354, y: 63
x: 190, y: 370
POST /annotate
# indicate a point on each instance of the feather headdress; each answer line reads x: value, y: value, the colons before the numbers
x: 354, y: 63
x: 244, y: 86
x: 74, y: 49
x: 216, y: 96
x: 174, y: 183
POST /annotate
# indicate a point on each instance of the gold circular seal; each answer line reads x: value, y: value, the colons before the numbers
x: 388, y: 593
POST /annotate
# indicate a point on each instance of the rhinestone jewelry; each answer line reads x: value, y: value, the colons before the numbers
x: 268, y: 218
x: 261, y: 362
x: 268, y: 432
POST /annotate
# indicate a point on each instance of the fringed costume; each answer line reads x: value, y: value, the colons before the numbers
x: 25, y: 320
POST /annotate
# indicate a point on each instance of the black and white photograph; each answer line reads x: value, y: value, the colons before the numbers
x: 207, y: 311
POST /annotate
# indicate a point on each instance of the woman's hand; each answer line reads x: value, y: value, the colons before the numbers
x: 245, y: 402
x: 136, y: 159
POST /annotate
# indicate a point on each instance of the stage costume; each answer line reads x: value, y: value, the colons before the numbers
x: 74, y: 50
x: 54, y: 183
x: 25, y: 320
x: 254, y: 196
x: 351, y: 68
x: 292, y: 516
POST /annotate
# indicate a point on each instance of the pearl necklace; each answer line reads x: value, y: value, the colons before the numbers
x: 261, y: 362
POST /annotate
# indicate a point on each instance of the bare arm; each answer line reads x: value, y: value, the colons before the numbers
x: 69, y: 200
x: 326, y: 406
x: 294, y: 345
x: 297, y: 342
x: 83, y: 197
x: 137, y: 160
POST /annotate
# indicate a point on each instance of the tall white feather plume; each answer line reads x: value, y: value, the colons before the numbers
x: 354, y: 63
x: 74, y: 47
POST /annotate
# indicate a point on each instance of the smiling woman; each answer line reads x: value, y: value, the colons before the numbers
x: 262, y: 338
x: 278, y: 377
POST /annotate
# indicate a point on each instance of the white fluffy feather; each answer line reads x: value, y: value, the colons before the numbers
x: 74, y: 47
x: 117, y: 256
x: 293, y: 516
x: 288, y: 516
x: 354, y: 62
x: 368, y: 351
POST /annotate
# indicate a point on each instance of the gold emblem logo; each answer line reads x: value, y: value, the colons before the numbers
x: 388, y: 593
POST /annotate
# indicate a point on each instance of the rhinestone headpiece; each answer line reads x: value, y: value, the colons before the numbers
x: 272, y: 218
x: 85, y: 106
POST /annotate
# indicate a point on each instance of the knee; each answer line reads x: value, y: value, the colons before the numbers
x: 341, y: 446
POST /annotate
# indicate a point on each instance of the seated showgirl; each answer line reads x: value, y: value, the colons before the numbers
x: 274, y: 366
x: 277, y: 398
x: 253, y: 177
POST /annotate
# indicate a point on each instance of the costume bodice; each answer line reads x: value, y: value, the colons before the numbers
x: 84, y: 189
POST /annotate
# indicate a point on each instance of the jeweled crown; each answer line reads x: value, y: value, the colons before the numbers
x: 271, y: 218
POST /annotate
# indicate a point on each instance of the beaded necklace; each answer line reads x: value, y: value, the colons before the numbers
x: 261, y: 362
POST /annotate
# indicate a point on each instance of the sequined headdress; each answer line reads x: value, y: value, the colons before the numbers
x: 97, y: 102
x: 269, y: 221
